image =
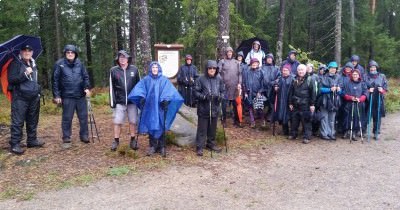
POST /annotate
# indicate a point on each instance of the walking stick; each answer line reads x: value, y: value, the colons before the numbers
x: 223, y: 129
x: 165, y: 137
x: 379, y: 116
x: 209, y: 125
x: 273, y: 116
x: 359, y: 121
x: 369, y: 117
x: 92, y: 121
x: 351, y: 123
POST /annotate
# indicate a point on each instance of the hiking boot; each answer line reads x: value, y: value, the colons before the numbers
x: 292, y: 137
x: 85, y: 139
x: 354, y: 137
x: 35, y: 143
x: 151, y: 151
x: 163, y: 152
x: 199, y: 152
x: 376, y: 136
x: 264, y: 124
x: 114, y: 145
x: 253, y: 125
x: 238, y: 124
x: 16, y: 149
x: 134, y: 144
x: 306, y: 141
x: 214, y: 148
x: 346, y: 135
x: 333, y: 138
x: 326, y: 138
x: 66, y: 140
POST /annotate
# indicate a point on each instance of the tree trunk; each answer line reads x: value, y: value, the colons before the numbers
x: 338, y: 32
x: 352, y: 26
x: 237, y: 41
x: 46, y: 73
x: 57, y: 54
x: 281, y: 24
x: 144, y: 35
x: 132, y: 29
x: 311, y: 25
x: 118, y: 25
x: 88, y: 41
x: 223, y: 27
x: 373, y: 6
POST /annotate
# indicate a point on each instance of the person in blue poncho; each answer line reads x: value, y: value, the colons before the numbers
x: 159, y: 102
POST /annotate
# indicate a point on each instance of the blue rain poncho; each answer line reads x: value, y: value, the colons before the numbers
x: 155, y: 89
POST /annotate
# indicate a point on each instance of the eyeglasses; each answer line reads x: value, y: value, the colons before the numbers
x: 212, y: 68
x: 69, y: 52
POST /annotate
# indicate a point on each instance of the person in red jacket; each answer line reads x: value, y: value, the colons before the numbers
x: 355, y: 94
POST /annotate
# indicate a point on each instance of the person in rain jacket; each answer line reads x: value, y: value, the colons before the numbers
x: 253, y: 89
x: 329, y: 101
x: 240, y: 58
x: 70, y: 87
x: 344, y: 77
x: 186, y: 79
x: 302, y: 100
x: 25, y: 103
x: 209, y: 91
x: 355, y: 60
x: 270, y: 74
x: 255, y: 52
x: 291, y: 59
x: 377, y: 86
x: 321, y: 70
x: 159, y: 102
x: 355, y: 94
x: 229, y: 70
x: 280, y: 89
x: 123, y: 78
x: 315, y: 124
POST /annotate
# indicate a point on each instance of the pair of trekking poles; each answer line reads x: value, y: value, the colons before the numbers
x: 92, y: 121
x: 352, y: 121
x: 378, y: 116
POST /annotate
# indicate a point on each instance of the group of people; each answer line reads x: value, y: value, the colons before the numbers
x: 325, y: 102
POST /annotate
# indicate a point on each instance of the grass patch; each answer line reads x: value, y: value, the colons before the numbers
x: 219, y: 136
x: 392, y: 98
x: 9, y: 193
x: 119, y: 171
x: 126, y: 151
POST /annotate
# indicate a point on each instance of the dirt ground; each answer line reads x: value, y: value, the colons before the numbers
x: 259, y: 174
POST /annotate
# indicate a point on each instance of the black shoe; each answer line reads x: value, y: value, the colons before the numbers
x: 114, y: 145
x: 199, y: 152
x: 36, y: 143
x: 16, y: 149
x: 292, y: 137
x: 163, y: 152
x: 214, y: 149
x: 85, y: 140
x: 66, y: 140
x: 134, y: 144
x: 326, y: 138
x: 151, y: 151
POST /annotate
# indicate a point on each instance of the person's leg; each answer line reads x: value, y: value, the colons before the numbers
x: 132, y: 112
x: 67, y: 116
x: 202, y: 131
x: 332, y: 119
x: 252, y: 120
x: 18, y: 110
x: 82, y: 112
x: 224, y: 105
x: 32, y: 120
x: 324, y: 128
x: 235, y: 112
x: 295, y: 123
x: 211, y: 135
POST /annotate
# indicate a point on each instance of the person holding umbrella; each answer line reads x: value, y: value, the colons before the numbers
x: 25, y: 104
x: 256, y: 52
x: 70, y: 87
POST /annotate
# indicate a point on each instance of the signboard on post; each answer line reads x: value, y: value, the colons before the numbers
x: 168, y: 56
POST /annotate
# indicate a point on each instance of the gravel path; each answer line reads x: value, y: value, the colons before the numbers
x: 286, y: 175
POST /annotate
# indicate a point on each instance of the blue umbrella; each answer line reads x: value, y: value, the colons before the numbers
x: 11, y: 48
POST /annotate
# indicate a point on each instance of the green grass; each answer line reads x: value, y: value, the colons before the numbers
x: 119, y: 171
x: 392, y: 98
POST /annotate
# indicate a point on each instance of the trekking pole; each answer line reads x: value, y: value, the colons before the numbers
x: 359, y: 121
x: 273, y: 116
x: 379, y: 116
x: 165, y: 134
x: 92, y: 121
x: 369, y: 116
x: 351, y: 123
x: 210, y: 120
x: 223, y: 129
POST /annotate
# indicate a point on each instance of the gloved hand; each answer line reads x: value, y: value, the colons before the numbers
x: 164, y: 105
x: 142, y: 102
